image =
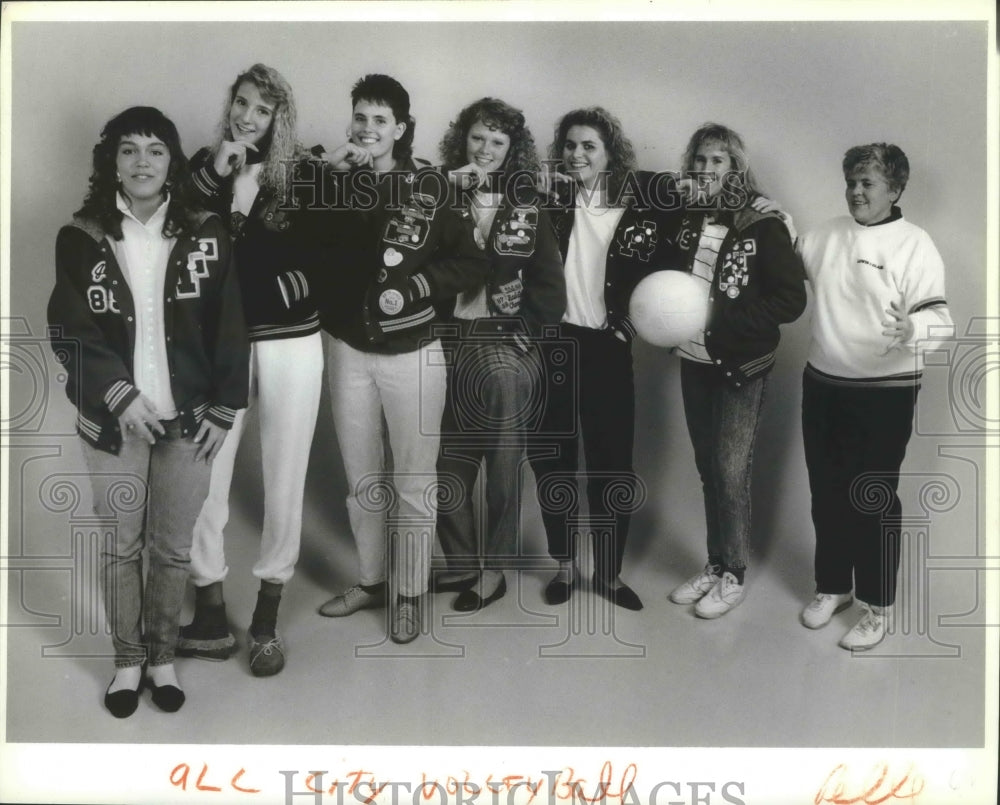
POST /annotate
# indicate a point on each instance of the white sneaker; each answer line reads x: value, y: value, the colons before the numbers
x: 725, y: 595
x: 823, y: 607
x: 869, y: 631
x: 696, y: 587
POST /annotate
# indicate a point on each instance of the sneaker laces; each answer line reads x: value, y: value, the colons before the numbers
x: 820, y: 601
x: 272, y: 645
x: 871, y: 622
x: 708, y: 578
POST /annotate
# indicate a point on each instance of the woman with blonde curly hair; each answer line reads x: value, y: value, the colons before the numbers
x: 494, y: 366
x: 244, y: 177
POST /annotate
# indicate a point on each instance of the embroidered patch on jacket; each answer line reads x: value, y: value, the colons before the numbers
x: 409, y: 226
x: 687, y: 235
x: 507, y: 300
x: 189, y: 281
x: 101, y: 299
x: 517, y: 236
x: 734, y: 275
x: 862, y: 261
x: 638, y: 240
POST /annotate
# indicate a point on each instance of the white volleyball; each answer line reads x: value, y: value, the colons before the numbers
x: 668, y: 308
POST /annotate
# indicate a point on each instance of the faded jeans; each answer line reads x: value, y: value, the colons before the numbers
x: 493, y: 389
x: 149, y: 495
x: 722, y: 421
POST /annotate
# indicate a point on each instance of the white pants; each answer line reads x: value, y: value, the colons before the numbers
x: 286, y: 377
x: 405, y: 394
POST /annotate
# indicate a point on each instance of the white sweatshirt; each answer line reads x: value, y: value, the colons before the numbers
x: 856, y: 272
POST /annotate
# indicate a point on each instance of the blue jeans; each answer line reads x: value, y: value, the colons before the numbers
x: 722, y: 421
x: 148, y: 495
x: 493, y: 389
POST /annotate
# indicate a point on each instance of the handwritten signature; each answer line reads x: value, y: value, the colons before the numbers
x: 842, y: 788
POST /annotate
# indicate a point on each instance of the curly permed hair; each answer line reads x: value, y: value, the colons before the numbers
x: 494, y: 113
x: 101, y: 200
x: 280, y: 146
x: 621, y: 154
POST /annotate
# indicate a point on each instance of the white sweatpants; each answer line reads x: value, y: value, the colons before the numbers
x: 286, y: 377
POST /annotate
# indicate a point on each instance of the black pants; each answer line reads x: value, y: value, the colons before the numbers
x: 589, y: 391
x: 849, y: 432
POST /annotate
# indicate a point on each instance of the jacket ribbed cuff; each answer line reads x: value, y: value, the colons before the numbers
x: 294, y: 287
x: 119, y: 396
x: 221, y: 415
x: 625, y: 325
x: 421, y: 286
x: 206, y: 180
x: 522, y: 341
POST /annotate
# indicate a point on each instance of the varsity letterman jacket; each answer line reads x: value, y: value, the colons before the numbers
x: 758, y: 284
x: 92, y: 308
x: 525, y: 283
x: 639, y: 246
x: 390, y: 249
x: 268, y: 253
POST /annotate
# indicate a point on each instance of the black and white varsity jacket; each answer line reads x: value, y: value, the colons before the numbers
x: 758, y: 284
x: 268, y: 253
x: 388, y: 249
x: 91, y: 307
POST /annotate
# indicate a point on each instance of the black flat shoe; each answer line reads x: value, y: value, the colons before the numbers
x: 454, y: 586
x: 471, y: 601
x: 623, y: 596
x: 122, y: 703
x: 558, y: 591
x: 169, y: 698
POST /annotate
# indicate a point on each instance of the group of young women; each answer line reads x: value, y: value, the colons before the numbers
x: 195, y: 289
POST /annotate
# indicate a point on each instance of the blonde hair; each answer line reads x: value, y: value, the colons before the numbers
x: 282, y: 146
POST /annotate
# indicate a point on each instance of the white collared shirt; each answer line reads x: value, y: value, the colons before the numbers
x: 143, y: 254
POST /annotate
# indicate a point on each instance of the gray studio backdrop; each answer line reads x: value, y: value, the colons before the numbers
x: 800, y: 93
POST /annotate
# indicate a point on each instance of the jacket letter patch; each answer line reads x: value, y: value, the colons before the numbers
x: 101, y: 299
x: 517, y: 237
x: 189, y: 281
x: 638, y: 240
x: 409, y: 226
